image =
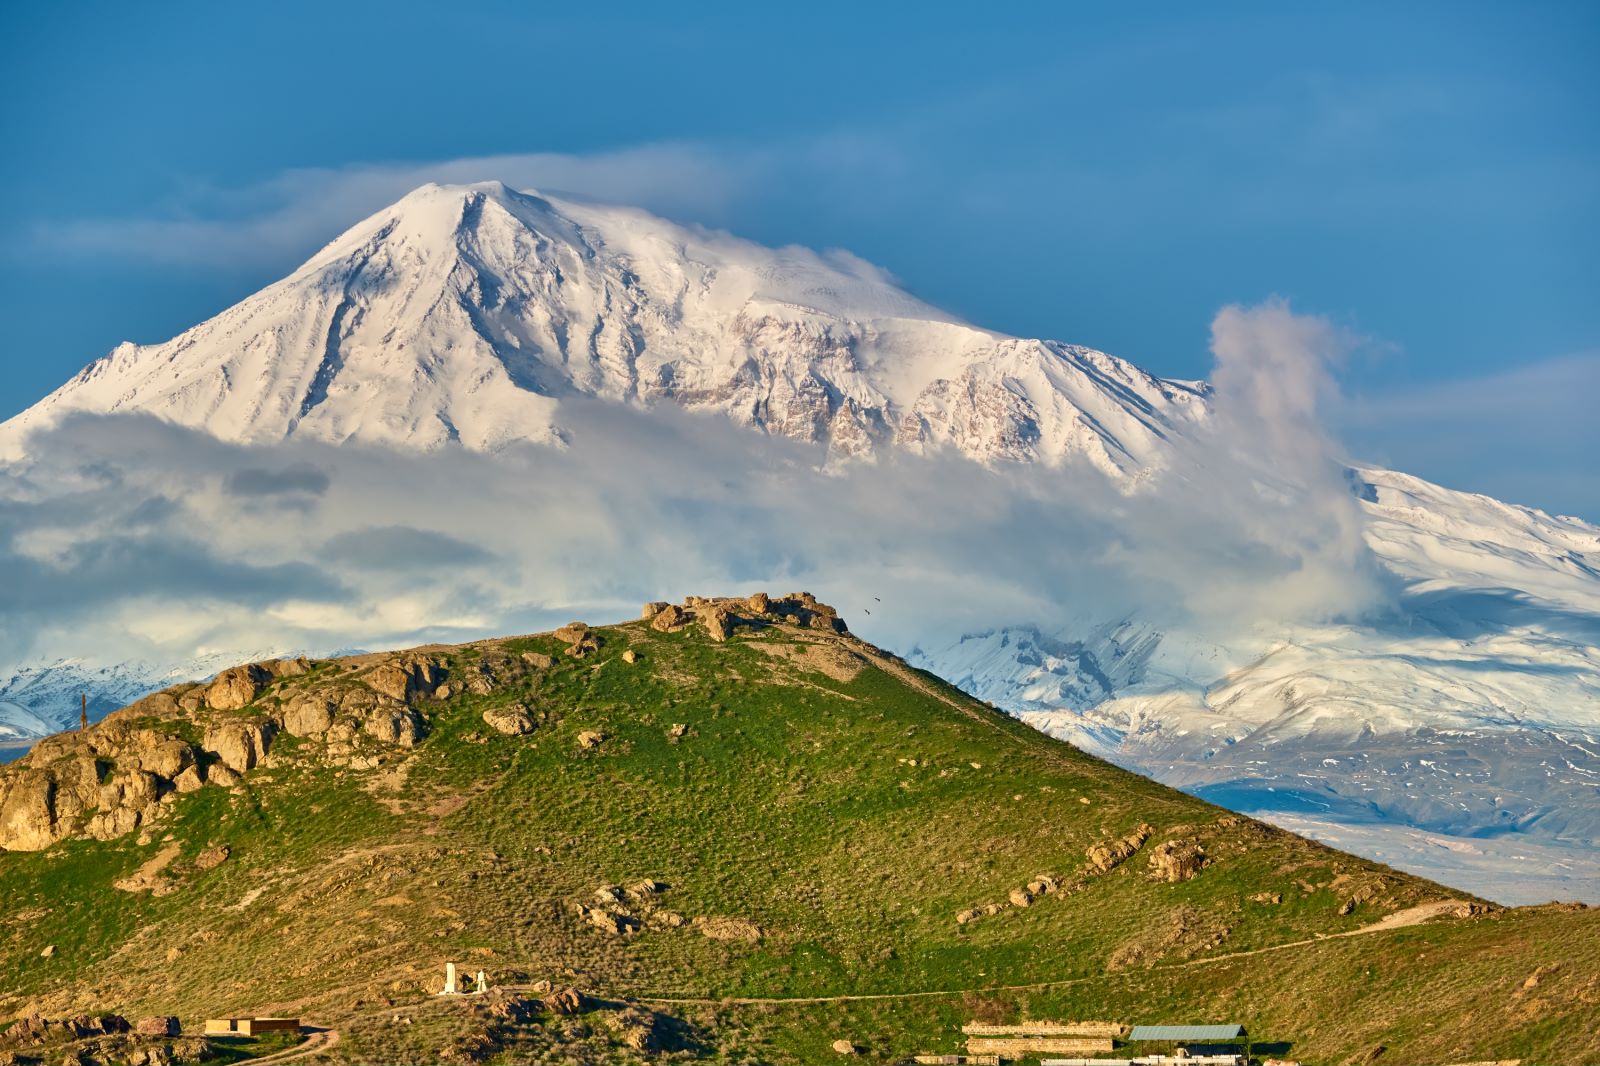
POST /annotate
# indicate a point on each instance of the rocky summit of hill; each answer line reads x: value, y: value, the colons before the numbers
x: 727, y: 830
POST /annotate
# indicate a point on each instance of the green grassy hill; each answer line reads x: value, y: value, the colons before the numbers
x: 742, y: 849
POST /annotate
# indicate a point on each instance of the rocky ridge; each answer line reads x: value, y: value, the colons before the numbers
x: 119, y: 774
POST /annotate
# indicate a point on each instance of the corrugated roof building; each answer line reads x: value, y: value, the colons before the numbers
x: 1200, y: 1034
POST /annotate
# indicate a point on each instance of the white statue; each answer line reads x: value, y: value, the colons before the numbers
x: 483, y: 983
x: 450, y: 980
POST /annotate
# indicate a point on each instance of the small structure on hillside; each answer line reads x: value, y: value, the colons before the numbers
x: 1197, y: 1044
x: 250, y: 1026
x: 454, y: 983
x: 1041, y: 1038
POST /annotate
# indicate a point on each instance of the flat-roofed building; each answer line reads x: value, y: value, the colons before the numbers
x: 250, y: 1026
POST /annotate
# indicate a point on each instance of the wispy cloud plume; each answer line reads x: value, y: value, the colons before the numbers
x: 119, y: 522
x: 286, y: 217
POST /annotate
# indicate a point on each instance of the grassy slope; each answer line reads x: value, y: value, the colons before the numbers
x: 790, y: 804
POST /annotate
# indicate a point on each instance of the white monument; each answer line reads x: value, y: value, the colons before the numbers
x: 450, y: 988
x: 483, y: 983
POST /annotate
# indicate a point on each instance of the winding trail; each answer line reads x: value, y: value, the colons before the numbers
x: 319, y: 1039
x: 1398, y: 920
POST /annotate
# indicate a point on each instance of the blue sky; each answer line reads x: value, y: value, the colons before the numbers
x: 1425, y: 175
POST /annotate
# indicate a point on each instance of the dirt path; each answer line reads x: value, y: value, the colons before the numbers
x: 317, y: 1040
x: 1398, y: 920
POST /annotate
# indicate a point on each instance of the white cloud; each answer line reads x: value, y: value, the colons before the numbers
x: 337, y: 546
x: 287, y: 217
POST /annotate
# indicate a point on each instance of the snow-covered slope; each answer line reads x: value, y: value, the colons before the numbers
x: 1471, y: 709
x: 45, y: 696
x: 469, y: 315
x: 464, y: 313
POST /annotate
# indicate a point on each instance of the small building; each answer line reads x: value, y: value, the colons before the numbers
x: 250, y: 1026
x: 1196, y: 1043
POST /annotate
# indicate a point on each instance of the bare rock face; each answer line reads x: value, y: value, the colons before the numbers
x: 513, y: 721
x: 27, y: 813
x: 237, y: 687
x: 1176, y: 860
x: 240, y: 745
x: 651, y: 609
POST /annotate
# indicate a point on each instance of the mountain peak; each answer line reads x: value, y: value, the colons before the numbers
x: 463, y: 313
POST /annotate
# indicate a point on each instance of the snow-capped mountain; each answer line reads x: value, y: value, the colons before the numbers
x: 465, y: 317
x: 465, y: 313
x: 44, y: 697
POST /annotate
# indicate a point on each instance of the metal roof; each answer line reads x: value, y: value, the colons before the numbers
x: 1198, y: 1033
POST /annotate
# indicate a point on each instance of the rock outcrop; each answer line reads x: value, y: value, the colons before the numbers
x: 1108, y: 855
x: 513, y: 721
x: 1177, y: 860
x: 722, y: 616
x: 237, y: 687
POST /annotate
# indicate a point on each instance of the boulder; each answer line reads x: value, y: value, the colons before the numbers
x: 584, y: 646
x: 28, y: 812
x: 572, y: 632
x: 759, y: 604
x: 240, y: 745
x: 566, y: 1001
x: 630, y: 656
x: 514, y: 721
x: 1021, y: 897
x: 971, y: 914
x: 236, y: 687
x: 188, y: 781
x: 590, y: 738
x: 669, y: 619
x: 393, y: 722
x: 210, y: 859
x: 538, y: 660
x: 719, y: 623
x: 310, y: 713
x: 166, y: 757
x: 1176, y: 860
x: 158, y: 1025
x: 677, y: 731
x: 651, y: 609
x: 843, y: 1047
x: 406, y: 677
x: 392, y: 680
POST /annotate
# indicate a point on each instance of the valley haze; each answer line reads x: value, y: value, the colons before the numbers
x: 484, y: 410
